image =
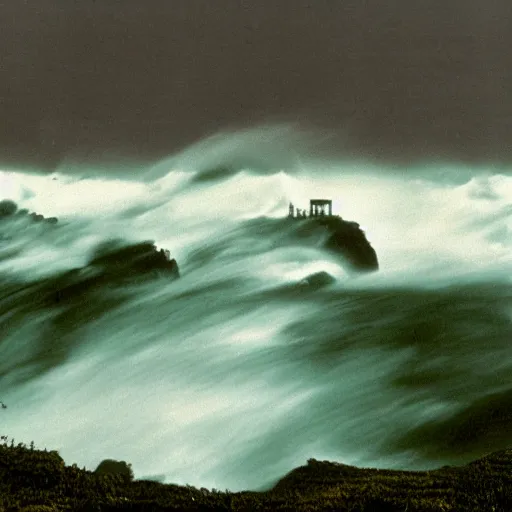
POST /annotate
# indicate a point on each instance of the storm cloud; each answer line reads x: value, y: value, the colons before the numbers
x: 396, y: 82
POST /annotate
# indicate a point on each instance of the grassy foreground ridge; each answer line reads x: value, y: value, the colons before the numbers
x: 33, y: 480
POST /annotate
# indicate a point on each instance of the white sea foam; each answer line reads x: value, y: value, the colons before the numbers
x: 204, y: 381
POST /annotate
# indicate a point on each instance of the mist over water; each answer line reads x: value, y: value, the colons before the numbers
x: 229, y: 377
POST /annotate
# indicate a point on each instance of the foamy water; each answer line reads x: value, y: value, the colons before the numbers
x: 221, y: 379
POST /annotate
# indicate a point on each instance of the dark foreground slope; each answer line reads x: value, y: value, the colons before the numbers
x: 33, y: 480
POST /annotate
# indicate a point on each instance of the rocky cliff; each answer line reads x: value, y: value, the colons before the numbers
x: 343, y: 238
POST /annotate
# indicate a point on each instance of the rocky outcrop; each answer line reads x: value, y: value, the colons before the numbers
x: 9, y: 210
x: 116, y: 258
x: 69, y: 301
x: 317, y: 280
x: 343, y: 238
x: 349, y: 240
x: 116, y: 263
x: 115, y: 467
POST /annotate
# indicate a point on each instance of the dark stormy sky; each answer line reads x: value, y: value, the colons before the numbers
x: 120, y: 80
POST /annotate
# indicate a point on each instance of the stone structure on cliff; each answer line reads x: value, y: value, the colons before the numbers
x: 344, y: 238
x: 317, y: 208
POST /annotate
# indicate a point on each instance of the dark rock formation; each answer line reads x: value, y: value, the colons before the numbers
x: 116, y: 263
x: 115, y: 467
x: 344, y: 238
x: 9, y: 209
x: 70, y: 300
x: 317, y: 280
x: 349, y: 240
x: 117, y: 258
x: 112, y: 259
